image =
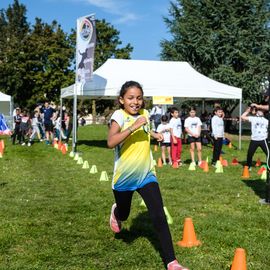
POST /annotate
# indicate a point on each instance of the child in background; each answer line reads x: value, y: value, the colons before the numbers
x: 217, y: 125
x: 134, y: 170
x: 17, y: 128
x: 193, y: 128
x: 35, y: 128
x: 176, y: 133
x: 25, y: 126
x: 259, y: 128
x: 164, y: 129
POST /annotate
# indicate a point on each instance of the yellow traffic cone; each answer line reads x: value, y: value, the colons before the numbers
x: 93, y: 169
x: 104, y: 176
x: 85, y: 165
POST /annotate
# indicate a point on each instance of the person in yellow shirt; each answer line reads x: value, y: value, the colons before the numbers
x: 129, y: 134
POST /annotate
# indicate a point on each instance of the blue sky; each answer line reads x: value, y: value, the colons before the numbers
x: 140, y: 22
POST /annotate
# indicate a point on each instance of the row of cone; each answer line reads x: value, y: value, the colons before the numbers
x: 262, y: 171
x: 189, y: 239
x: 85, y: 165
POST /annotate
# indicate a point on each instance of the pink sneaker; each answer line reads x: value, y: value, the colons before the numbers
x: 114, y: 223
x: 174, y: 265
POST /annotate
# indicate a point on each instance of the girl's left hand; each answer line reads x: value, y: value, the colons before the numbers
x: 158, y: 136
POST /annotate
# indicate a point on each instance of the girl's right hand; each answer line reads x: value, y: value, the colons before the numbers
x: 139, y: 122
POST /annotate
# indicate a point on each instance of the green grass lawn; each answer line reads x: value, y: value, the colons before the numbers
x: 54, y: 215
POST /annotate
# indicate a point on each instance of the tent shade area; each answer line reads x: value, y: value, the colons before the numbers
x: 158, y: 78
x: 6, y: 107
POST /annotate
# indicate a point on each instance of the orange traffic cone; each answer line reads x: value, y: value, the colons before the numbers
x: 175, y: 165
x: 235, y: 162
x: 224, y: 163
x: 260, y: 171
x: 206, y: 167
x: 1, y: 148
x: 64, y: 149
x: 220, y: 159
x: 3, y: 144
x: 258, y: 163
x: 230, y: 145
x: 159, y: 163
x: 202, y: 165
x: 189, y: 236
x: 60, y: 145
x: 245, y: 172
x: 155, y: 148
x: 239, y: 260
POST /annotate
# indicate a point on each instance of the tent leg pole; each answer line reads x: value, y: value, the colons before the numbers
x: 240, y: 125
x: 74, y: 130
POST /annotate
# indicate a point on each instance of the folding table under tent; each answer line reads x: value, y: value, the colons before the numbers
x: 158, y: 78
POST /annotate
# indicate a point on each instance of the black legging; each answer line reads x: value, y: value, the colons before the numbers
x: 253, y: 145
x: 153, y: 200
x: 217, y: 149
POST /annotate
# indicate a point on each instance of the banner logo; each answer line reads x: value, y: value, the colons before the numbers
x: 86, y: 30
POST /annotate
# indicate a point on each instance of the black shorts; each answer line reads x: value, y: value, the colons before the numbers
x: 194, y: 139
x: 167, y: 144
x: 48, y: 127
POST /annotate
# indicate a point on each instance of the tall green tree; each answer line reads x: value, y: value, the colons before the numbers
x: 228, y: 41
x: 35, y: 61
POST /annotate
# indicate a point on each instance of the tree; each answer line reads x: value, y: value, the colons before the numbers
x: 225, y: 40
x: 108, y: 43
x: 35, y: 62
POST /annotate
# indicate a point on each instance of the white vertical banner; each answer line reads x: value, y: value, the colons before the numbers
x: 85, y: 48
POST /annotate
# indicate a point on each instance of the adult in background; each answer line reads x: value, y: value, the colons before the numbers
x: 155, y: 115
x: 48, y: 114
x: 259, y: 126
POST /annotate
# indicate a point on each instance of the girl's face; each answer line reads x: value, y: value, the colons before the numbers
x: 192, y: 113
x: 132, y: 100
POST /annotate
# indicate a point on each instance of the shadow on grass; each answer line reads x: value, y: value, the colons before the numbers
x: 141, y: 227
x: 3, y: 184
x: 97, y: 143
x: 258, y: 186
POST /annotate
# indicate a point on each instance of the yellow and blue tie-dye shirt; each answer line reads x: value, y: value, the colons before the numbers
x: 133, y: 163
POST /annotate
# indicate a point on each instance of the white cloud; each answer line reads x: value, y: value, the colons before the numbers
x: 119, y: 8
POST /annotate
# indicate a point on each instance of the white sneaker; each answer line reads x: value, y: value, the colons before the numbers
x: 23, y: 143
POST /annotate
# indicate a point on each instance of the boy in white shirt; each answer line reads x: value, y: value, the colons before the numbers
x: 176, y: 133
x: 259, y: 126
x: 164, y: 129
x: 217, y: 126
x: 193, y: 128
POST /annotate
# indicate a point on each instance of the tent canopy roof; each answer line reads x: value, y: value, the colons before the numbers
x: 158, y: 78
x: 4, y: 97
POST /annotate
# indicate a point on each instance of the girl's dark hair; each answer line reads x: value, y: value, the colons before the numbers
x: 192, y: 108
x: 125, y: 88
x: 164, y: 118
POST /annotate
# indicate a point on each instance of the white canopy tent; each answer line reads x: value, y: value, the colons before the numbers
x: 6, y: 106
x: 158, y: 78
